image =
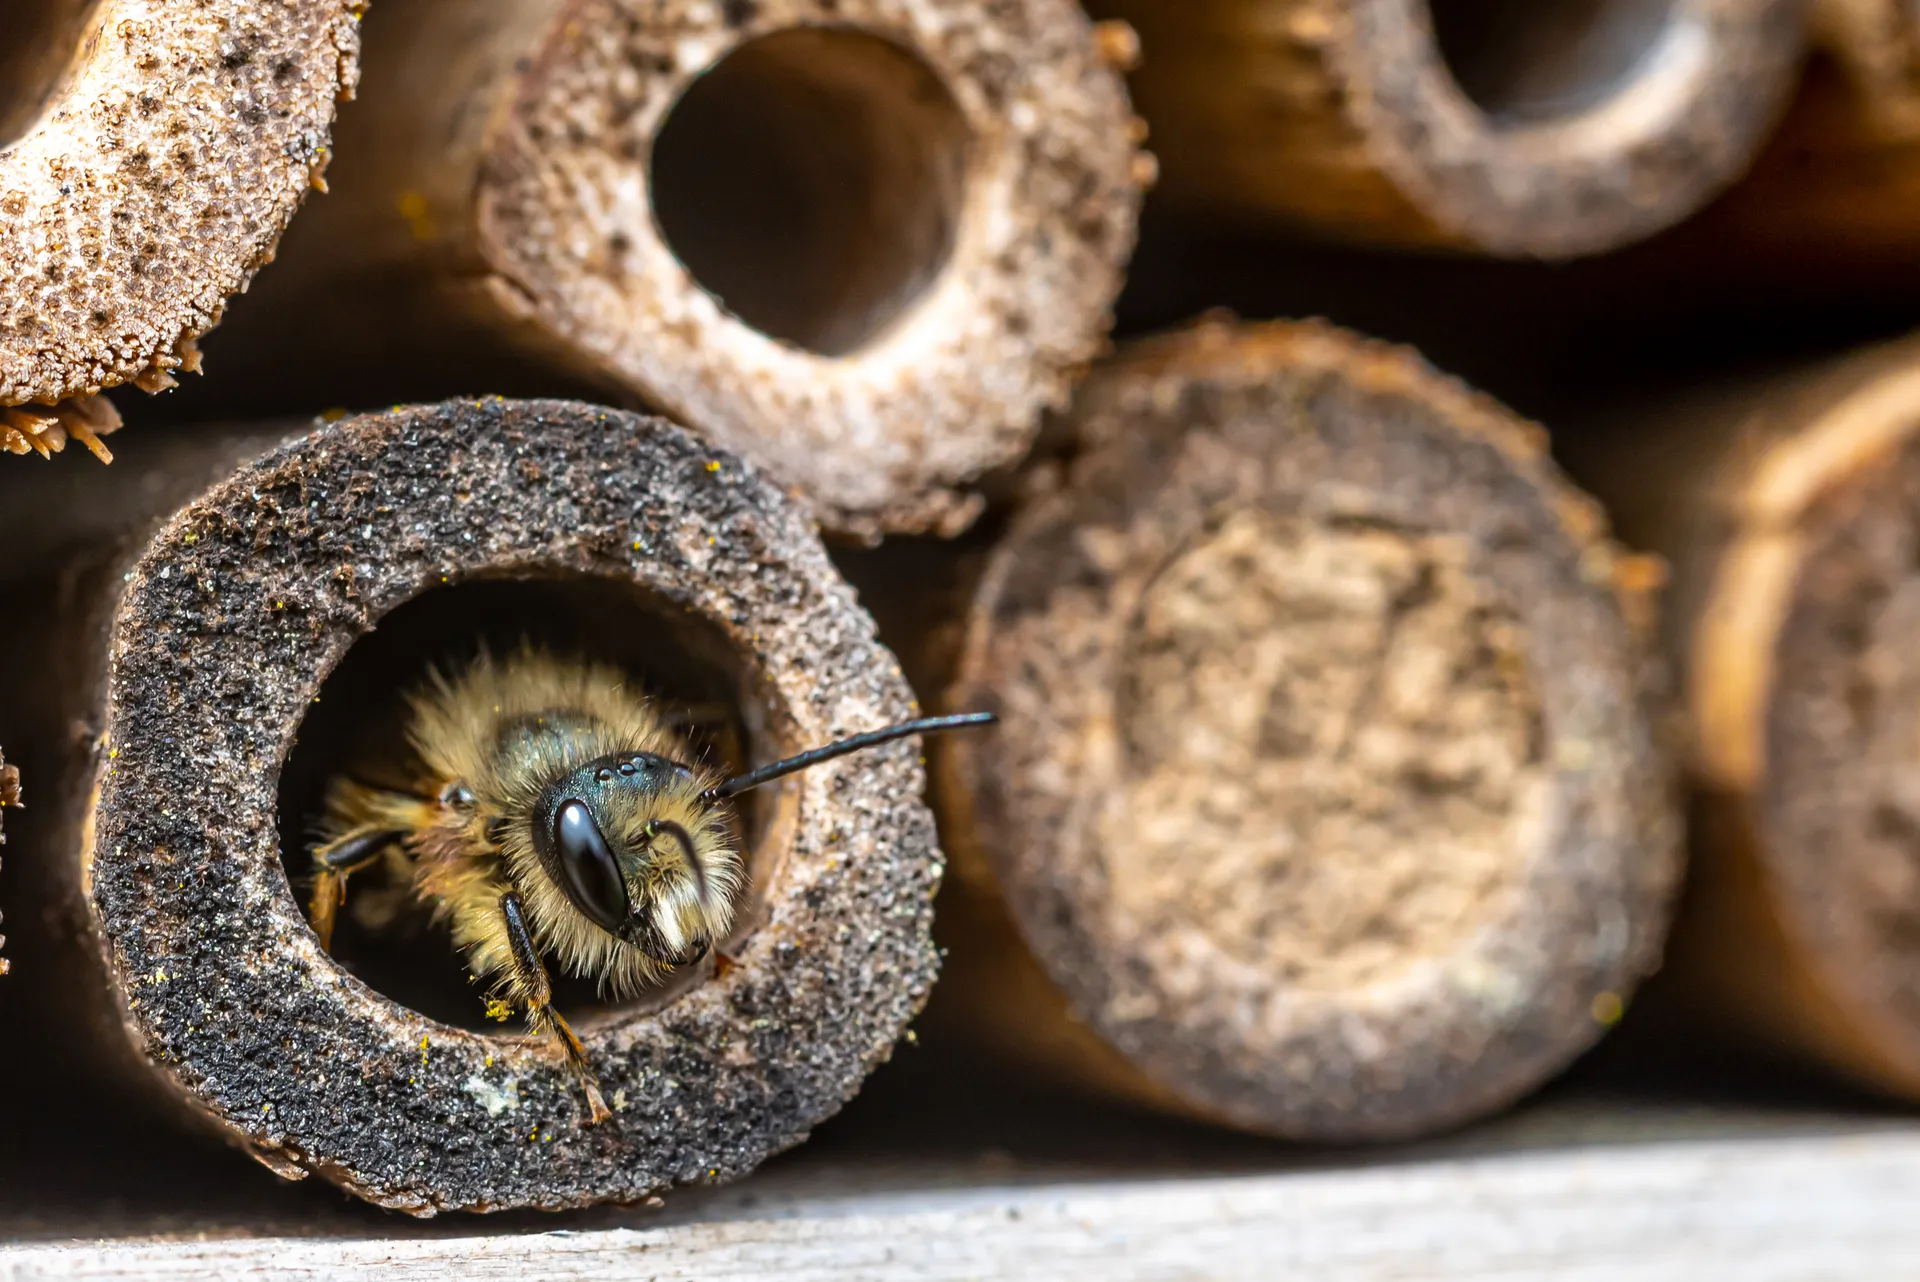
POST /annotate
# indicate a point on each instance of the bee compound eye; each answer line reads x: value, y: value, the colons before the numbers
x: 589, y: 874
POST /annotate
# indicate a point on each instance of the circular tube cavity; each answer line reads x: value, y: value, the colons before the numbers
x: 1513, y: 128
x: 813, y: 181
x: 357, y: 729
x: 1530, y: 60
x: 44, y: 40
x: 868, y: 244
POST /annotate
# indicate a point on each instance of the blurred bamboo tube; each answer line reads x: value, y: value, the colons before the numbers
x: 863, y: 241
x: 1519, y: 128
x: 1328, y: 794
x: 1786, y: 505
x: 177, y: 702
x: 150, y: 156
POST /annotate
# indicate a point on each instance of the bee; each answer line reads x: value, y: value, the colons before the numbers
x: 555, y: 813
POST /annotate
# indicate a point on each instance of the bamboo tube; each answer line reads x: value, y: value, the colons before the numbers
x: 150, y: 157
x: 1786, y: 506
x: 240, y: 661
x: 1519, y: 128
x: 1328, y: 792
x: 863, y: 241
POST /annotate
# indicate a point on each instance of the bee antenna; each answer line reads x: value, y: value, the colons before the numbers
x: 924, y: 725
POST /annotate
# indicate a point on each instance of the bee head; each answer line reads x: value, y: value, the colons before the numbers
x: 632, y: 843
x: 639, y: 845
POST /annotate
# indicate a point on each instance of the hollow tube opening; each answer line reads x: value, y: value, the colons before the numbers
x: 812, y: 181
x: 45, y: 39
x: 1525, y: 61
x: 357, y: 728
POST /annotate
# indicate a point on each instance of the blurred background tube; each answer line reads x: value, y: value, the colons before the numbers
x: 1785, y: 501
x: 1516, y: 128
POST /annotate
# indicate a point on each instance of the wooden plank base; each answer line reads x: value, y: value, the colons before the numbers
x: 1567, y: 1191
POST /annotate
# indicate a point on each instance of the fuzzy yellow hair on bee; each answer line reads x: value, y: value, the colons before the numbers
x: 554, y: 814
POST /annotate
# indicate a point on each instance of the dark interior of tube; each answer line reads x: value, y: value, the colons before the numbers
x: 812, y: 181
x: 1532, y: 60
x: 44, y: 39
x: 357, y: 727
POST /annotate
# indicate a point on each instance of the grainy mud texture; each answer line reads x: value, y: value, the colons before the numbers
x: 1507, y: 127
x: 866, y: 242
x: 1328, y: 787
x: 150, y: 156
x: 232, y: 616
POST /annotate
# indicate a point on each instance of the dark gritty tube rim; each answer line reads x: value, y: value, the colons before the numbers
x: 232, y: 617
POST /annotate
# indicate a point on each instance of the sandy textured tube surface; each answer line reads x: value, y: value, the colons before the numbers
x: 150, y: 156
x: 1329, y: 793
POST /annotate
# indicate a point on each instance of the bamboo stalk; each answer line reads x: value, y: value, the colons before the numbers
x: 1328, y: 793
x: 1529, y: 128
x: 194, y: 699
x: 865, y: 242
x: 1785, y: 503
x: 149, y: 159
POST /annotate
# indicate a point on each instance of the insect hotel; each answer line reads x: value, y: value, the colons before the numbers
x: 988, y: 639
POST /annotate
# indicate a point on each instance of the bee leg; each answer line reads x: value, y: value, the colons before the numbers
x: 529, y: 978
x: 332, y: 862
